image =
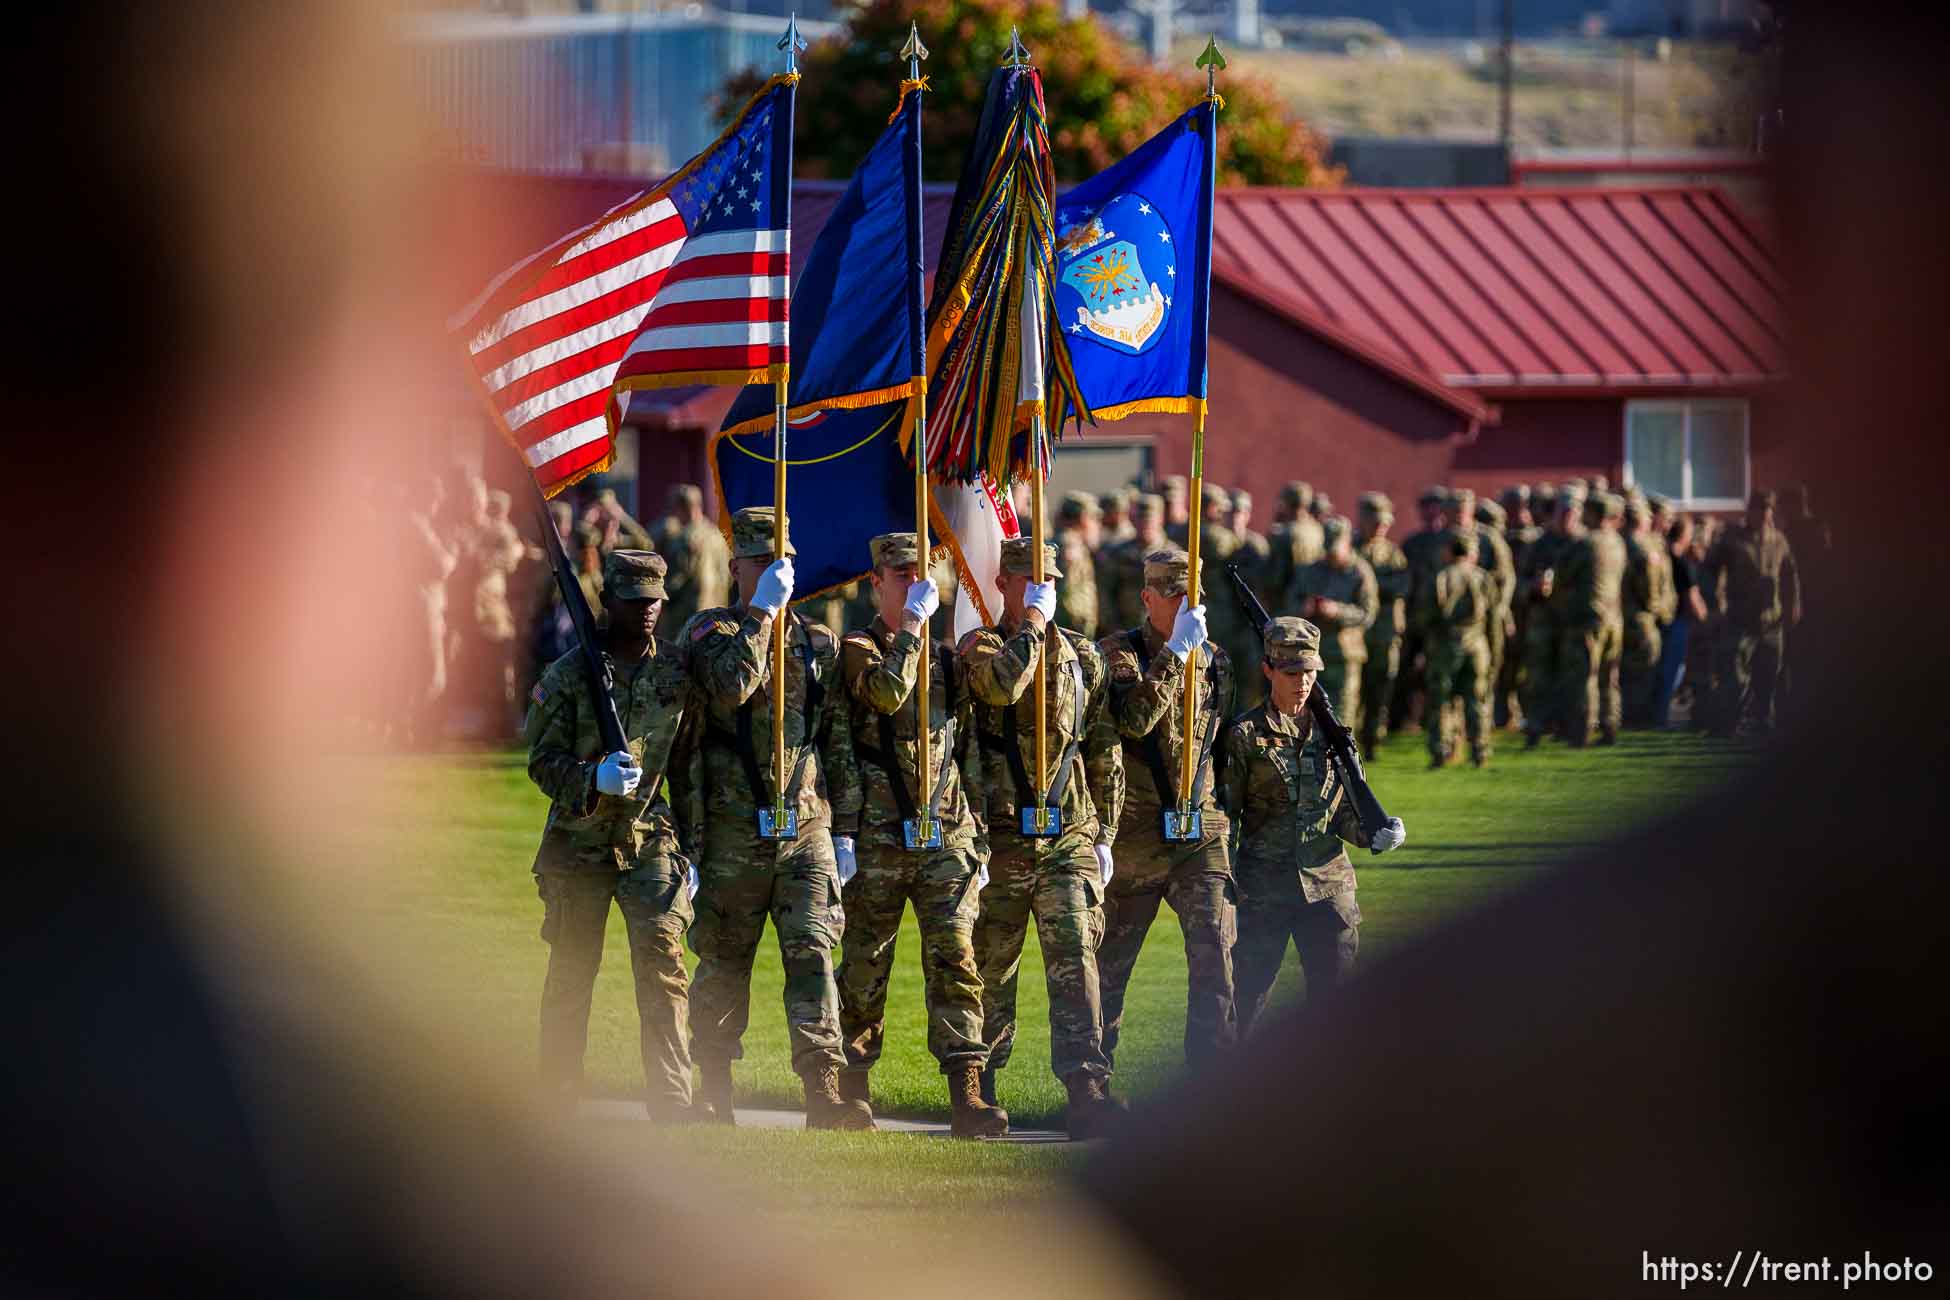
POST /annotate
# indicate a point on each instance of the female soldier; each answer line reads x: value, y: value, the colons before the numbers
x: 1289, y: 815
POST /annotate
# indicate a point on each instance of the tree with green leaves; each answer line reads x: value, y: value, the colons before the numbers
x: 1103, y: 100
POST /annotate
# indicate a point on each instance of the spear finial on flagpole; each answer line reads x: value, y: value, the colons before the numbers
x: 1213, y: 62
x: 792, y: 42
x: 1018, y: 56
x: 914, y: 51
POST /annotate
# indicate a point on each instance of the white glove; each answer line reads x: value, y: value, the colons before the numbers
x: 1041, y: 597
x: 1391, y: 836
x: 690, y: 881
x: 922, y: 600
x: 1187, y: 630
x: 618, y: 774
x: 843, y: 851
x: 1104, y: 867
x: 774, y: 590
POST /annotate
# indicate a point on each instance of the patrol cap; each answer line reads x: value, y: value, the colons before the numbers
x: 1290, y: 642
x: 1661, y: 504
x: 1378, y: 505
x: 685, y: 494
x: 1018, y: 559
x: 1322, y: 505
x: 1079, y: 505
x: 1571, y: 494
x: 1545, y: 491
x: 1610, y: 504
x: 1762, y: 497
x: 1149, y: 505
x: 751, y: 534
x: 1242, y: 500
x: 1168, y: 571
x: 633, y: 575
x: 1491, y: 513
x: 1214, y: 497
x: 1516, y: 494
x: 1333, y: 528
x: 1639, y: 509
x: 1178, y: 484
x: 1297, y: 492
x: 892, y: 550
x: 1599, y: 483
x: 1434, y: 494
x: 1120, y: 499
x: 1463, y: 502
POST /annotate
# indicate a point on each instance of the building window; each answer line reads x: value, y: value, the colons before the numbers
x: 1693, y: 452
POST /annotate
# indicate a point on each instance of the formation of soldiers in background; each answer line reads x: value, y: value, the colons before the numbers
x: 1567, y: 610
x: 1572, y: 611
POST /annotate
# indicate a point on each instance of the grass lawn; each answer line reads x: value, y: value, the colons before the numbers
x: 446, y: 853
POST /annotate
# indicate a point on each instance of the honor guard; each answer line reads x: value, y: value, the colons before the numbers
x: 1147, y: 666
x: 745, y: 874
x: 916, y: 843
x: 1288, y: 814
x: 1054, y: 872
x: 611, y: 837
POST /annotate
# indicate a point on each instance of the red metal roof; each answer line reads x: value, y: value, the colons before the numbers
x: 1516, y: 292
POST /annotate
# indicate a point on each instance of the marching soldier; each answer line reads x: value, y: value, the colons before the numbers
x: 1254, y: 558
x: 1384, y: 635
x: 611, y: 837
x: 1591, y: 580
x: 1287, y: 814
x: 1147, y: 694
x: 1296, y: 540
x: 1120, y: 568
x: 1520, y: 533
x: 1494, y: 557
x: 880, y: 665
x: 1464, y: 599
x: 1338, y: 594
x: 694, y: 549
x: 1543, y: 705
x: 1059, y: 880
x: 1650, y: 603
x: 746, y: 877
x: 1178, y: 504
x: 1426, y: 551
x: 1116, y: 506
x: 1077, y: 520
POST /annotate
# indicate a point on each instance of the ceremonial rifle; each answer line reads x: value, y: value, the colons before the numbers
x: 593, y: 664
x: 1341, y: 750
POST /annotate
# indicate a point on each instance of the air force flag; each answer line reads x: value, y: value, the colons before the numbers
x: 1133, y: 273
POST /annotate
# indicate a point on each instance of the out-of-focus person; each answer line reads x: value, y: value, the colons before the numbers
x: 700, y: 563
x: 1384, y: 636
x: 1339, y: 594
x: 1178, y: 505
x: 1463, y: 600
x: 1120, y: 568
x: 1078, y: 520
x: 1295, y: 539
x: 432, y: 561
x: 1752, y: 566
x: 1650, y: 604
x: 1253, y: 557
x: 1543, y: 705
x: 1591, y: 583
x: 1689, y: 605
x: 1116, y: 506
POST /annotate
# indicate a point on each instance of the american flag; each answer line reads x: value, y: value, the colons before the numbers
x: 685, y: 283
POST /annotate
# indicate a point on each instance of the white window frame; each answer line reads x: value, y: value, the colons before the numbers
x: 1685, y: 408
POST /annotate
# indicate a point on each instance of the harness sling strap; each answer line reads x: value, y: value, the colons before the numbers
x: 741, y: 742
x: 1153, y: 748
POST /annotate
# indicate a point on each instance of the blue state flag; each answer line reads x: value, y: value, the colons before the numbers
x: 856, y: 359
x: 1133, y: 273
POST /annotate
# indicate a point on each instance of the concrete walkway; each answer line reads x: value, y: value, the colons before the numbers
x: 617, y: 1108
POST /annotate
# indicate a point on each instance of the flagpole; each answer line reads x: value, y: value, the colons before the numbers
x: 1211, y: 60
x: 914, y: 51
x: 782, y: 822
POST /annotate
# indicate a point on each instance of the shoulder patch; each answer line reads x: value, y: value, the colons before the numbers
x: 860, y: 639
x: 705, y: 627
x: 974, y: 635
x: 540, y: 694
x: 1123, y: 670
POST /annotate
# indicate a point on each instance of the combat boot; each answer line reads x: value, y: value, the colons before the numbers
x: 714, y: 1091
x: 826, y: 1109
x: 1091, y: 1113
x: 1479, y: 756
x: 988, y: 1084
x: 677, y: 1114
x: 1608, y: 735
x: 853, y: 1087
x: 974, y: 1117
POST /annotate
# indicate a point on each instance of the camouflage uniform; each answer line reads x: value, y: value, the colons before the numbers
x: 700, y: 563
x: 1355, y: 593
x: 1463, y: 600
x: 1120, y: 568
x: 1295, y: 541
x: 728, y: 657
x: 1055, y: 880
x: 1590, y: 580
x: 598, y: 847
x: 1493, y: 557
x: 1651, y: 602
x: 1543, y: 638
x: 1287, y: 816
x: 1423, y: 550
x: 1147, y: 697
x: 880, y: 667
x: 1504, y: 699
x: 1384, y: 636
x: 1076, y: 591
x: 1116, y: 507
x: 1763, y: 596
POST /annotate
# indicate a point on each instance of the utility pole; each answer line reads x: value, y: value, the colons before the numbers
x: 1628, y: 102
x: 1161, y: 30
x: 1504, y: 126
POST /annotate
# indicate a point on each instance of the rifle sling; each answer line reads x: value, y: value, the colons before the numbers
x: 741, y: 743
x: 1153, y: 749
